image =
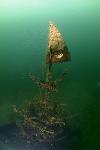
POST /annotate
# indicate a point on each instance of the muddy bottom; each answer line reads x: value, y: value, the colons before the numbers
x: 10, y: 136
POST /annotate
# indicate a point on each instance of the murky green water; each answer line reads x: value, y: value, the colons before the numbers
x: 23, y: 41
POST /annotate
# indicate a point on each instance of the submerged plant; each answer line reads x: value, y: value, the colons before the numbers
x: 43, y: 119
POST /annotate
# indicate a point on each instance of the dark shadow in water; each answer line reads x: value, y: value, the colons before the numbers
x: 9, y: 135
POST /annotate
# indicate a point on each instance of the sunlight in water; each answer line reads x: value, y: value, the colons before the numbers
x: 40, y: 3
x: 21, y: 3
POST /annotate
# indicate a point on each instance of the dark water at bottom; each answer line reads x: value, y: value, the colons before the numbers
x: 10, y: 137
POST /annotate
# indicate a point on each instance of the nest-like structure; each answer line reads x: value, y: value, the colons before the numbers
x: 40, y: 124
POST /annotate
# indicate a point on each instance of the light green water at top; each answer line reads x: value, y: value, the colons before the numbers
x: 23, y: 41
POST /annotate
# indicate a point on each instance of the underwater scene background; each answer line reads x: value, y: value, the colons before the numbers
x: 23, y: 43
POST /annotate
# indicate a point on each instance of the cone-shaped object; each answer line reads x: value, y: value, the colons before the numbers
x: 57, y: 49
